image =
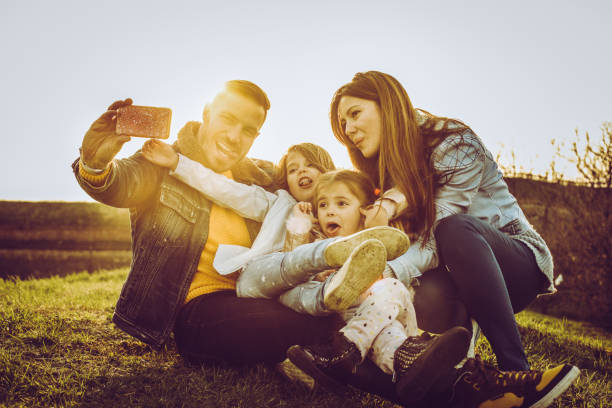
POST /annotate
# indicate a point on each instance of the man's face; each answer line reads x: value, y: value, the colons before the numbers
x: 231, y: 123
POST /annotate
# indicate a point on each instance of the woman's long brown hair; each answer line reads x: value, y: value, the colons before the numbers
x: 403, y: 159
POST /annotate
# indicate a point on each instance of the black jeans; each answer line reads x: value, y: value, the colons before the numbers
x: 221, y: 327
x: 484, y: 274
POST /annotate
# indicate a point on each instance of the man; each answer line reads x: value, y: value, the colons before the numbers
x: 175, y: 233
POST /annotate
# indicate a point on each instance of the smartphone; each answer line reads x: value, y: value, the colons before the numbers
x: 144, y: 121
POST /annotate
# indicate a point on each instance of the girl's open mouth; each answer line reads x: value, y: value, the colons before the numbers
x: 332, y: 229
x: 305, y: 182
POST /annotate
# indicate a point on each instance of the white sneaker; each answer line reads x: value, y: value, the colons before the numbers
x: 395, y: 242
x: 363, y: 267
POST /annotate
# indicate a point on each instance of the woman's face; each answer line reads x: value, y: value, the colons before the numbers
x: 302, y: 176
x: 360, y: 119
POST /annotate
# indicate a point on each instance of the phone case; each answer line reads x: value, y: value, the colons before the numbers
x: 144, y: 121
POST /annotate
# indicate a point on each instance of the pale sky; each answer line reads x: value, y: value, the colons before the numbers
x: 518, y: 72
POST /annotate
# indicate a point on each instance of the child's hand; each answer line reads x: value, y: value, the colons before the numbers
x: 304, y: 207
x: 160, y: 153
x: 303, y: 210
x: 299, y: 223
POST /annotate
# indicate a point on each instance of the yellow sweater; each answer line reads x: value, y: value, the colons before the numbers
x: 226, y: 227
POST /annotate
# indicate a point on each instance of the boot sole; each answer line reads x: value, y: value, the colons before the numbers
x: 362, y: 268
x: 394, y: 240
x: 304, y: 361
x: 445, y: 352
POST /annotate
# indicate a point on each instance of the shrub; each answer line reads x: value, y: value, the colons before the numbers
x: 575, y: 219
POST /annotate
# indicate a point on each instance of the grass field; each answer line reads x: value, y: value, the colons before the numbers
x: 58, y: 347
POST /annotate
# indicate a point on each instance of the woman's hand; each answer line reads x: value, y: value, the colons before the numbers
x: 375, y: 215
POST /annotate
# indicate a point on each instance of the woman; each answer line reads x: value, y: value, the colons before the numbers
x: 440, y: 181
x: 474, y: 245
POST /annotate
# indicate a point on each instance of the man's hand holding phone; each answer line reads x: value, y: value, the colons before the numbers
x: 116, y: 126
x: 101, y: 144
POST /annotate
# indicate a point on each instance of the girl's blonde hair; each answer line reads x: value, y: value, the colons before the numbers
x: 313, y: 153
x: 403, y: 159
x: 358, y: 183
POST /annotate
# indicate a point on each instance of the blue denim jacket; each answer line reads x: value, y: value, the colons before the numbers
x: 471, y: 184
x: 169, y: 222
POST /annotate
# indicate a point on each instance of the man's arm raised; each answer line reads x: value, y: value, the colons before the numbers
x: 120, y: 183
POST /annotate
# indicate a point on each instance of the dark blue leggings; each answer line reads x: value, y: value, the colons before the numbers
x: 492, y: 275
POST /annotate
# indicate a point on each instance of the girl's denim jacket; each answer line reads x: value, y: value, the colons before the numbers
x: 169, y: 222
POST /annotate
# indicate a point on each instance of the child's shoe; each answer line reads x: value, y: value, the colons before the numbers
x: 480, y: 384
x: 328, y: 364
x: 421, y: 360
x: 395, y: 241
x: 362, y: 268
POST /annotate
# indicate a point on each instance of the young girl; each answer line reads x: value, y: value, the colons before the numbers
x: 386, y: 307
x: 382, y: 324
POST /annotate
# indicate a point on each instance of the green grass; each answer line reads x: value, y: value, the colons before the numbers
x: 58, y: 347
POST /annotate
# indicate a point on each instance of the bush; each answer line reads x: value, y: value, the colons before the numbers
x: 575, y: 219
x: 576, y: 225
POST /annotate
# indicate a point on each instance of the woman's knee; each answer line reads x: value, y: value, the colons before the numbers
x: 453, y: 225
x: 460, y: 238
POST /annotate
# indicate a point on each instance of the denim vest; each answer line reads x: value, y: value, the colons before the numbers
x: 169, y: 223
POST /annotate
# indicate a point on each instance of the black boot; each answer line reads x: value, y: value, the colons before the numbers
x: 329, y: 364
x: 421, y: 360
